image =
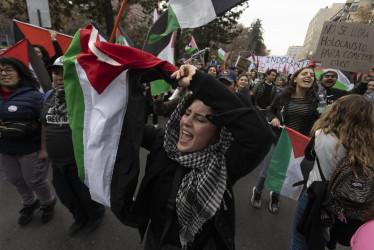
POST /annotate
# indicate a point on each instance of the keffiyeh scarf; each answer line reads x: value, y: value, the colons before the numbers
x: 59, y: 104
x: 201, y: 191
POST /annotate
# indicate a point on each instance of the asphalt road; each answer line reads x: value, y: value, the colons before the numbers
x: 256, y: 229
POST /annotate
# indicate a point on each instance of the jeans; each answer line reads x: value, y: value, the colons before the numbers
x: 264, y: 172
x: 298, y: 241
x: 29, y: 176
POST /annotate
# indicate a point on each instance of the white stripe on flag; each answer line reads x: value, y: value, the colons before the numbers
x: 293, y: 176
x: 193, y: 13
x: 103, y: 118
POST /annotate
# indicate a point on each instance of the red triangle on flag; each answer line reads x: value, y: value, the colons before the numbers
x: 40, y: 36
x: 25, y: 52
x: 19, y: 51
x: 101, y: 74
x: 298, y: 141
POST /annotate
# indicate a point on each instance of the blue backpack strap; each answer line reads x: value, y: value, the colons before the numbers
x: 46, y: 95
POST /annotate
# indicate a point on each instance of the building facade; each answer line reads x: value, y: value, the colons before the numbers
x: 294, y: 52
x: 315, y: 29
x: 351, y: 11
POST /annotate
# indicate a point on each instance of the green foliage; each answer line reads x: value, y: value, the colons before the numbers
x: 256, y: 41
x: 14, y: 9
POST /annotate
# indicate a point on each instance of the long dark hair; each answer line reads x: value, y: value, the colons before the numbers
x: 291, y: 88
x: 26, y: 76
x: 45, y: 54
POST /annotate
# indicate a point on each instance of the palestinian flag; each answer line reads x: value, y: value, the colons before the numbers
x: 40, y: 36
x: 105, y: 100
x: 191, y: 14
x: 25, y: 52
x: 223, y: 54
x: 163, y: 49
x: 191, y: 47
x: 122, y: 38
x: 284, y: 169
x: 342, y: 82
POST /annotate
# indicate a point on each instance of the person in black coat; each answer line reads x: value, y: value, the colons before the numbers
x: 212, y: 139
x: 328, y: 79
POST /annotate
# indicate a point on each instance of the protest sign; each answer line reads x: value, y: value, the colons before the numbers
x: 346, y: 46
x: 243, y: 63
x: 279, y: 63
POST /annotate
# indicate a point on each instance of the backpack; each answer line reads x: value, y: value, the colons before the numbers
x: 350, y: 194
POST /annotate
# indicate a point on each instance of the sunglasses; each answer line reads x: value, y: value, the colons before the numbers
x: 7, y: 70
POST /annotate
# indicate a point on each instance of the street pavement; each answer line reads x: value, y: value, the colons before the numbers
x: 256, y: 229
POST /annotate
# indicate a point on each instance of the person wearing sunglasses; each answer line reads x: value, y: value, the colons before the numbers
x: 328, y: 79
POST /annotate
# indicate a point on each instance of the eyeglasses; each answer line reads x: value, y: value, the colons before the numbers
x: 329, y: 76
x: 7, y: 70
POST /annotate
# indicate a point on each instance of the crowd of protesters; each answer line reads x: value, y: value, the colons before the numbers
x: 223, y: 123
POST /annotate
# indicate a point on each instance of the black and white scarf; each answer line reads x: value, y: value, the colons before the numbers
x: 201, y: 191
x: 59, y: 104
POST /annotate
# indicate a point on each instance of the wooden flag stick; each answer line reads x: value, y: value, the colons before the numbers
x: 117, y: 20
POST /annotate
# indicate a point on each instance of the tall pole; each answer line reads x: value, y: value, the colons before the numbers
x: 117, y: 20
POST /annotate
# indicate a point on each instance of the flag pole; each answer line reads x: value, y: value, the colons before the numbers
x: 117, y: 20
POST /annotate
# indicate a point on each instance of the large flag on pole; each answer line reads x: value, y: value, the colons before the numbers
x: 191, y: 47
x: 40, y: 36
x: 284, y: 169
x: 191, y: 14
x: 104, y: 102
x: 342, y: 82
x: 25, y: 52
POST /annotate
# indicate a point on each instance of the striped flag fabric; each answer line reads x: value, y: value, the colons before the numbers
x: 284, y: 169
x: 104, y: 101
x: 192, y: 14
x: 342, y: 83
x: 40, y: 36
x: 191, y: 47
x: 163, y: 49
x: 223, y: 54
x: 25, y: 52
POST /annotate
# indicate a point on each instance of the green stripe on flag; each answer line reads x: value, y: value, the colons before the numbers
x: 159, y: 87
x: 172, y: 25
x: 74, y: 94
x: 337, y: 85
x: 190, y: 50
x: 279, y: 163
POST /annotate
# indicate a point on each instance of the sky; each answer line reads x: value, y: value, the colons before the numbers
x: 284, y: 22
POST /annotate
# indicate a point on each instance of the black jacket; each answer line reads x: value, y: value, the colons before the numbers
x: 279, y: 105
x: 23, y: 105
x: 252, y: 138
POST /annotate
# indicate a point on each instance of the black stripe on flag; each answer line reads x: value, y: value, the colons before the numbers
x: 39, y: 68
x: 220, y: 7
x: 158, y: 27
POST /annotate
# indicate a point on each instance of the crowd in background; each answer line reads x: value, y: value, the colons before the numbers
x: 281, y: 100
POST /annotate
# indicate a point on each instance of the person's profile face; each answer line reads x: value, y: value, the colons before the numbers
x: 38, y: 52
x: 196, y: 131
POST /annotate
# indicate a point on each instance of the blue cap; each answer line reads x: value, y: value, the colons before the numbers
x: 228, y: 74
